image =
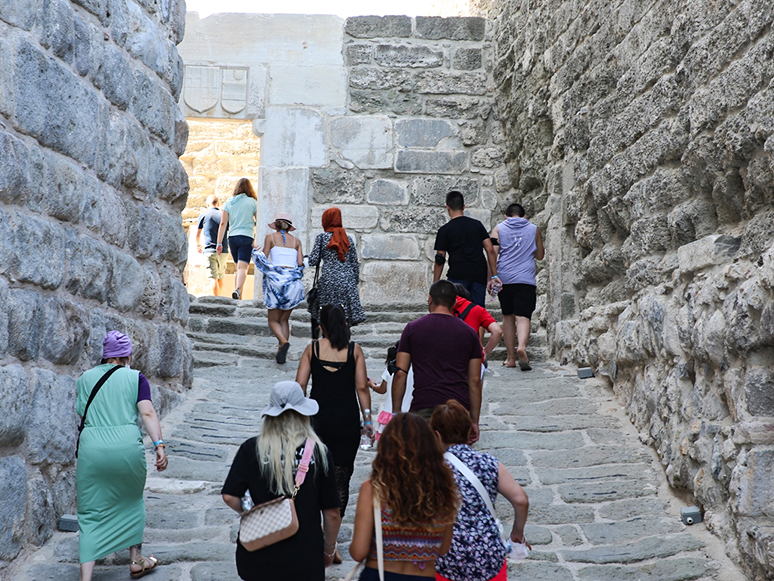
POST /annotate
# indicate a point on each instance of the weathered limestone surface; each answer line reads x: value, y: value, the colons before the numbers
x: 91, y: 192
x: 381, y: 115
x: 640, y: 136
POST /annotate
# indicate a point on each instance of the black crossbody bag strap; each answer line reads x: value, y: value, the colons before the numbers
x: 94, y: 391
x: 466, y: 312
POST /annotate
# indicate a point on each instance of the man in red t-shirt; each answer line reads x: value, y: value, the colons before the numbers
x: 478, y: 318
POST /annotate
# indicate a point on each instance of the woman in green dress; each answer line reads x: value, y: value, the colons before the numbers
x: 111, y: 468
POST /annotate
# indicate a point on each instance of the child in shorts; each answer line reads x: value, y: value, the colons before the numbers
x: 385, y: 387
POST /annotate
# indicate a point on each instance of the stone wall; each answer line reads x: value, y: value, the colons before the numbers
x: 640, y: 136
x: 91, y: 192
x: 380, y: 116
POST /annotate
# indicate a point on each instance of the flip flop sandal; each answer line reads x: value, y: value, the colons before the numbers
x: 524, y: 365
x: 282, y: 354
x: 504, y: 364
x: 145, y: 570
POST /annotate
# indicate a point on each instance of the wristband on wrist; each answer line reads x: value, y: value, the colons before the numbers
x: 495, y: 276
x: 367, y: 423
x: 158, y: 443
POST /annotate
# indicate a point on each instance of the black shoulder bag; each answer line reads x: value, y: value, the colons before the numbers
x: 94, y: 391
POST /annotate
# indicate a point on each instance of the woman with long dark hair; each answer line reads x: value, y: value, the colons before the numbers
x: 239, y: 214
x: 418, y: 499
x: 340, y: 273
x: 339, y: 383
x: 266, y: 466
x: 477, y: 551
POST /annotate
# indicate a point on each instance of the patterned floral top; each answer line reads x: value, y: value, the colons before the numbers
x: 476, y: 552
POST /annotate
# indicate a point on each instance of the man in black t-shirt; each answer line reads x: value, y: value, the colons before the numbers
x: 465, y: 239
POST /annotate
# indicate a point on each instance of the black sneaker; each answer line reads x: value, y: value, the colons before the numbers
x: 235, y: 294
x: 282, y: 353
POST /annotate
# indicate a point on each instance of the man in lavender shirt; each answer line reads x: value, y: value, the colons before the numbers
x: 518, y: 243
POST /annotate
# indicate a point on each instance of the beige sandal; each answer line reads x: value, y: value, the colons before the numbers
x: 145, y: 570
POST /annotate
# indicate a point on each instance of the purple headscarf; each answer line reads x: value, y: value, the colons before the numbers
x: 116, y: 344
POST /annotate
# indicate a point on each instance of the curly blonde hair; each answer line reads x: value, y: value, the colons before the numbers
x: 410, y: 476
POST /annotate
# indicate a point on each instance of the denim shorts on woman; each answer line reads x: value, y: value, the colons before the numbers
x: 241, y: 248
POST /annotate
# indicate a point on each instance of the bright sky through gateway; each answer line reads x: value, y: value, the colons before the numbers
x: 341, y: 8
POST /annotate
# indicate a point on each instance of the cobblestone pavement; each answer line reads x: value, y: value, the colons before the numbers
x: 600, y: 508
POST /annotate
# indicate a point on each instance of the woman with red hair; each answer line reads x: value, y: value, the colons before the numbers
x: 340, y: 270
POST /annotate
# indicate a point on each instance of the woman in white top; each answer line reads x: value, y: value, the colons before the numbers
x: 282, y: 265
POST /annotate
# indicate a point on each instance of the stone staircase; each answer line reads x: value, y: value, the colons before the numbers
x: 221, y: 327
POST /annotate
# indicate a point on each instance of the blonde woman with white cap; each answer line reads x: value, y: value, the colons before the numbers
x: 282, y: 263
x: 265, y: 465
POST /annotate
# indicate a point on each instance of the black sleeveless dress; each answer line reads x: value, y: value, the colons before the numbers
x: 338, y: 421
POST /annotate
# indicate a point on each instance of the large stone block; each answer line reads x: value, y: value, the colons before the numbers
x: 171, y: 352
x: 16, y: 403
x: 151, y: 296
x: 707, y: 252
x: 13, y: 475
x: 488, y: 157
x: 116, y: 77
x: 25, y: 318
x: 40, y: 517
x: 154, y: 107
x: 467, y: 59
x: 402, y: 282
x: 14, y: 160
x: 457, y: 107
x: 432, y: 190
x: 390, y: 247
x: 483, y: 216
x: 293, y: 137
x: 358, y: 54
x: 378, y: 79
x: 365, y: 141
x: 52, y: 426
x: 759, y: 387
x: 65, y: 125
x: 388, y: 193
x: 753, y: 484
x: 318, y: 86
x: 63, y: 196
x: 40, y: 251
x: 65, y: 328
x: 127, y: 284
x: 334, y: 186
x: 90, y: 268
x: 415, y: 220
x: 440, y: 83
x: 403, y: 55
x: 395, y: 101
x: 454, y: 28
x: 443, y: 162
x: 378, y: 27
x: 352, y: 217
x: 422, y: 132
x: 284, y: 190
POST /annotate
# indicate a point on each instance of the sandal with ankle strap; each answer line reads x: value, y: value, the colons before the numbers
x: 145, y: 570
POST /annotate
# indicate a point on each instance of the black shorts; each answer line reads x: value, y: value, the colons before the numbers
x: 518, y: 299
x: 241, y: 248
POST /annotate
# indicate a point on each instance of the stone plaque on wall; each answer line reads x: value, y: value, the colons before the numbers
x: 215, y: 91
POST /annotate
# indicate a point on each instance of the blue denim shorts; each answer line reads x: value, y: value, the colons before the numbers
x: 241, y: 248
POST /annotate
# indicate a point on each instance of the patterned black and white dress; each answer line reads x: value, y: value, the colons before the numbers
x: 338, y: 280
x: 477, y: 551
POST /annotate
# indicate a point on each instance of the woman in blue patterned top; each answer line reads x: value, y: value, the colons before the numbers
x: 477, y: 552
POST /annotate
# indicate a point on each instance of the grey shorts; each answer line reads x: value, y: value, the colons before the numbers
x: 216, y: 267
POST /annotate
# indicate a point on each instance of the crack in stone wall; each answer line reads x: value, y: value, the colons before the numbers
x: 640, y: 135
x: 91, y: 192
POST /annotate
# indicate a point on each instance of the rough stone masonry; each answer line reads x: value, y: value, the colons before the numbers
x: 640, y: 133
x: 91, y: 192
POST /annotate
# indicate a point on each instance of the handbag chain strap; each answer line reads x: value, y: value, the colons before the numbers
x: 303, y: 467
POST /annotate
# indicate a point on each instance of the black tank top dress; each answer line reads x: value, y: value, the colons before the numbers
x: 338, y: 421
